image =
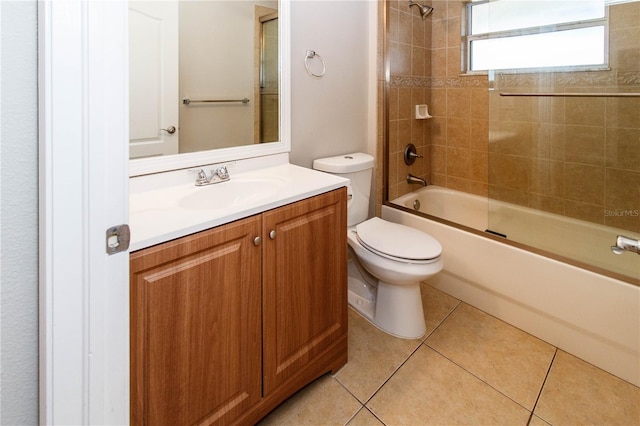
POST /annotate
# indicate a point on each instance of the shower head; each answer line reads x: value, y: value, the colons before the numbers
x: 424, y: 9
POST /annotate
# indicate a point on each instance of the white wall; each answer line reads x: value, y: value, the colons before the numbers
x: 330, y: 115
x: 18, y: 214
x: 220, y: 27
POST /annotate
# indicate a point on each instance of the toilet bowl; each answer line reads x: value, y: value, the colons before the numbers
x: 388, y: 260
x: 398, y: 306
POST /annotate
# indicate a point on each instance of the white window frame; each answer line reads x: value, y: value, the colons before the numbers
x: 468, y: 38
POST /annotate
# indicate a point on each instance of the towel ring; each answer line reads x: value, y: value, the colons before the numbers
x: 310, y: 55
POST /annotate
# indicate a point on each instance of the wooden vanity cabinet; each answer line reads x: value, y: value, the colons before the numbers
x: 225, y: 328
x: 304, y: 284
x: 196, y: 327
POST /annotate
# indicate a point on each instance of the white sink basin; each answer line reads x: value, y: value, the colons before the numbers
x: 166, y: 206
x: 243, y: 191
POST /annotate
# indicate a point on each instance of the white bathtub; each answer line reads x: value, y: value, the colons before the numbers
x: 576, y: 239
x: 592, y: 316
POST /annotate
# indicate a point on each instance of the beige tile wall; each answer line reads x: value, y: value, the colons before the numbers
x: 578, y: 157
x: 425, y: 68
x: 574, y: 156
x: 459, y: 152
x: 410, y: 66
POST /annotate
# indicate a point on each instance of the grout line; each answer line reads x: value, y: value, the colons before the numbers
x: 394, y: 371
x: 420, y: 344
x: 364, y: 404
x: 354, y: 415
x: 370, y: 412
x: 509, y: 324
x: 460, y: 302
x: 348, y: 390
x: 544, y: 382
x: 424, y: 342
x: 374, y: 415
x: 480, y: 378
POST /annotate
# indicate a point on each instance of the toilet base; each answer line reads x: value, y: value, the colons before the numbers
x: 394, y: 309
x: 364, y: 304
x: 398, y: 313
x: 399, y: 310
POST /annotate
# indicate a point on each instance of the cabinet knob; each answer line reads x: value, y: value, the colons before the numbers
x: 272, y: 234
x: 257, y: 241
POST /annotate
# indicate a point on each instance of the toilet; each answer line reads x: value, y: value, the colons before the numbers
x: 387, y: 260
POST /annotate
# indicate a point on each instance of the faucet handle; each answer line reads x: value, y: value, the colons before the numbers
x: 223, y: 172
x: 202, y: 178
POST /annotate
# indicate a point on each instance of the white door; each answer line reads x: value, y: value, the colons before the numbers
x: 84, y: 292
x: 153, y: 78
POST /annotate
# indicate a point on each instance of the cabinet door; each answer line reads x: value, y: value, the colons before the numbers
x: 196, y: 327
x: 305, y: 284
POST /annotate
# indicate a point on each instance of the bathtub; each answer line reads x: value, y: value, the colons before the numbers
x: 592, y: 316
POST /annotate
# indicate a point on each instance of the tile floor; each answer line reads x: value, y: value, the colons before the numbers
x: 470, y: 368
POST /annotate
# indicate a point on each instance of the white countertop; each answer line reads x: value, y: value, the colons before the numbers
x: 160, y: 211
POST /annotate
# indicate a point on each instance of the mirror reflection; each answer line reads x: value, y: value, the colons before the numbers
x: 203, y: 75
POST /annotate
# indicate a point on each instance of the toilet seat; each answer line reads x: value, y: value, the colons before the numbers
x: 397, y: 242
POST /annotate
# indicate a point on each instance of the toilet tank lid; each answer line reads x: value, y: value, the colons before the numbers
x: 347, y: 163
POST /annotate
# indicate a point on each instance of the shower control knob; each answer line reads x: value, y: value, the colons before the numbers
x: 410, y: 154
x: 272, y: 234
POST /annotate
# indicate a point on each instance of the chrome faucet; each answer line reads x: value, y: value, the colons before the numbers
x: 415, y: 179
x: 221, y: 174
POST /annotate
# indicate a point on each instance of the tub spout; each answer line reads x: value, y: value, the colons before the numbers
x: 626, y: 244
x: 415, y: 179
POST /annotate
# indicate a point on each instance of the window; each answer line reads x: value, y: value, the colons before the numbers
x: 516, y: 34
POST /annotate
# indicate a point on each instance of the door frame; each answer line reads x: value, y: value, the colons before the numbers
x: 83, y: 190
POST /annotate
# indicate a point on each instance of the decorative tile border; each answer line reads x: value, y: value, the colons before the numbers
x: 547, y: 79
x: 570, y: 79
x: 628, y: 78
x: 466, y: 81
x: 409, y: 81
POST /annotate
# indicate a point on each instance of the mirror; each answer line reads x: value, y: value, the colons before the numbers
x: 209, y: 82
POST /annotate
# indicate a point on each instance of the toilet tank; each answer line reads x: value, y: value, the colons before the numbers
x: 358, y: 168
